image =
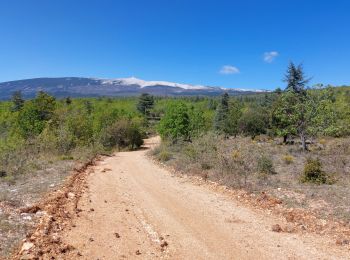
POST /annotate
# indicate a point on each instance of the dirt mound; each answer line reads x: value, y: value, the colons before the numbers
x: 56, y: 212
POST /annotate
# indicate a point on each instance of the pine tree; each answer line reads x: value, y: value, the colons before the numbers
x: 68, y: 101
x: 295, y: 79
x: 17, y: 101
x: 146, y: 102
x: 234, y: 115
x: 88, y: 106
x: 290, y: 116
x: 221, y: 116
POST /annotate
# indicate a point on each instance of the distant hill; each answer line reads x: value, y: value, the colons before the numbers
x: 92, y: 87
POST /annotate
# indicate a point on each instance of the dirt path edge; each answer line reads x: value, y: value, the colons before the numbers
x: 56, y: 212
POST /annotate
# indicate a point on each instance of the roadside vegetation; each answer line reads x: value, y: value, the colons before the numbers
x: 43, y: 139
x: 64, y: 129
x: 293, y: 143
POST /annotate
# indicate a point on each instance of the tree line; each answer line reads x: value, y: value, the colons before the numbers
x: 297, y: 111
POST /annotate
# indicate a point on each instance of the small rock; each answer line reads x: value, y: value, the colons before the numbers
x: 92, y: 209
x: 91, y: 239
x: 71, y: 195
x: 341, y: 242
x: 164, y: 244
x: 117, y: 235
x: 41, y: 213
x: 289, y: 229
x: 138, y: 252
x: 26, y: 246
x: 276, y: 228
x: 30, y: 209
x: 66, y: 248
x: 25, y: 216
x: 55, y: 239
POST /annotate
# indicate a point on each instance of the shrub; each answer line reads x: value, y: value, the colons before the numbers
x: 288, y: 159
x: 175, y: 124
x: 265, y: 165
x: 164, y: 156
x: 313, y: 172
x: 253, y: 122
x: 34, y: 115
x: 134, y: 136
x: 236, y: 154
x: 3, y: 174
x: 323, y: 141
x: 205, y: 166
x: 122, y: 134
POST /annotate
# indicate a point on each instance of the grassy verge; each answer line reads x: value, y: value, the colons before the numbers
x: 264, y: 165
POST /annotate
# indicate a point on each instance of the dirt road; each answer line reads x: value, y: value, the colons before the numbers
x: 134, y: 209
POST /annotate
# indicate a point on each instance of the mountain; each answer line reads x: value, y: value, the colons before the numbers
x: 93, y: 87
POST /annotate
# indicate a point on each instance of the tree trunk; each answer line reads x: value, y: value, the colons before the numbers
x: 303, y: 141
x: 285, y: 139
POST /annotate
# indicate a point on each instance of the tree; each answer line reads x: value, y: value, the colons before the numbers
x: 35, y: 113
x: 197, y: 122
x: 221, y: 115
x: 234, y: 114
x: 145, y: 103
x: 254, y: 121
x: 88, y: 106
x: 295, y: 78
x: 175, y: 124
x: 68, y: 101
x: 17, y: 101
x: 284, y: 116
x: 322, y: 112
x: 44, y: 105
x: 278, y: 91
x: 290, y: 116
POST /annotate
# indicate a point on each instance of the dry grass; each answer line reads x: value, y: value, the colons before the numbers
x: 22, y: 191
x: 243, y: 163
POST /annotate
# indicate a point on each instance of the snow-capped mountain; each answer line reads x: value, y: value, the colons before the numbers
x: 95, y: 87
x: 144, y: 83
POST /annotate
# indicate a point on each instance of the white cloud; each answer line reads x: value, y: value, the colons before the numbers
x: 228, y: 69
x: 270, y: 56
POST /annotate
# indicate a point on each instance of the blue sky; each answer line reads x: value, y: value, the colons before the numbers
x: 243, y: 44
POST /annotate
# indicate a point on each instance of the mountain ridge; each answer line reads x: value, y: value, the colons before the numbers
x: 97, y: 87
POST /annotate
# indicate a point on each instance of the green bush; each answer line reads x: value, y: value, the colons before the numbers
x: 313, y: 173
x: 265, y: 165
x: 253, y: 122
x: 175, y: 124
x: 121, y: 134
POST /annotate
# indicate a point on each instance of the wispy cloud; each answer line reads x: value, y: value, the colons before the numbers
x: 228, y: 69
x: 270, y: 56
